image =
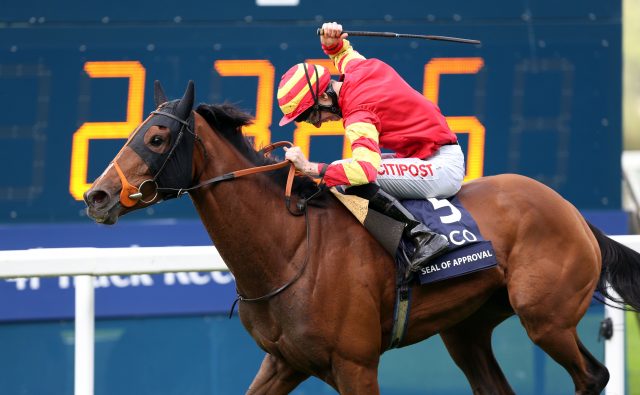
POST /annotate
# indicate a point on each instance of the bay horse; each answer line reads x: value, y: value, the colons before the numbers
x: 317, y: 291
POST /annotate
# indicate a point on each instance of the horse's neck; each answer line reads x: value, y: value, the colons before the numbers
x: 248, y: 223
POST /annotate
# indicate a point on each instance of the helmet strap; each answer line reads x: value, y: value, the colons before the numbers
x: 334, y: 108
x: 316, y: 95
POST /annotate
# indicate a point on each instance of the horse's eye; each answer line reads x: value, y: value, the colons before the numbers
x: 156, y: 141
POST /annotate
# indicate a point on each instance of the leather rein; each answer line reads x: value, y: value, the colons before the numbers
x: 254, y: 170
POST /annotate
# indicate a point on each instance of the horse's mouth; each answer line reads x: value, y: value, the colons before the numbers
x: 107, y: 216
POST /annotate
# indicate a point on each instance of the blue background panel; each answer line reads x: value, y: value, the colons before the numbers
x: 549, y: 94
x: 239, y: 11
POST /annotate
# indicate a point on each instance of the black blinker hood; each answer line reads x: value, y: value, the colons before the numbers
x: 171, y: 169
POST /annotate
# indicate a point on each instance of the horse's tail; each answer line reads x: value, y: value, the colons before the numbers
x: 620, y: 270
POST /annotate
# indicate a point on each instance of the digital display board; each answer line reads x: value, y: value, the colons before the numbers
x: 541, y: 96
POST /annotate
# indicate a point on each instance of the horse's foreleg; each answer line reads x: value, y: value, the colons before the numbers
x: 275, y: 377
x: 355, y: 378
x: 469, y: 344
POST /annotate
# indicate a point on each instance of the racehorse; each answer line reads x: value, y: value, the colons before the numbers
x: 317, y: 291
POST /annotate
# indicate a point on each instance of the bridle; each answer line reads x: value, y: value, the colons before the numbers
x: 131, y: 194
x: 252, y: 170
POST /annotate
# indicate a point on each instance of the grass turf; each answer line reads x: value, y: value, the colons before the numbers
x: 633, y: 353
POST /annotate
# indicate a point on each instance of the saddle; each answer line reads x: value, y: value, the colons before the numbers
x: 468, y: 251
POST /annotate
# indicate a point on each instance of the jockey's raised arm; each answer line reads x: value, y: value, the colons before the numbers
x: 339, y: 50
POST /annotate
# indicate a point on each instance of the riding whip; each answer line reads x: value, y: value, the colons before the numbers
x: 402, y: 35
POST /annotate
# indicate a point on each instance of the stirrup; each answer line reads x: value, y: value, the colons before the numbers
x: 437, y: 246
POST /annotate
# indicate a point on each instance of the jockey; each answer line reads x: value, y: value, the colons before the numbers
x: 378, y: 109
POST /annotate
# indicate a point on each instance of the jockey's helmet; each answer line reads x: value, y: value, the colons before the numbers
x: 299, y: 89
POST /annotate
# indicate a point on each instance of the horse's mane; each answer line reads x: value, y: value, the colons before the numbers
x: 228, y: 120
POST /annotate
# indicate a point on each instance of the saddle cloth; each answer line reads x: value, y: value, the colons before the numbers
x: 468, y: 251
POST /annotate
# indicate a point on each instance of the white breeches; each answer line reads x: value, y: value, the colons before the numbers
x: 439, y: 176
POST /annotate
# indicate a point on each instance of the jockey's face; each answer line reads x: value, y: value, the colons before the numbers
x: 317, y: 118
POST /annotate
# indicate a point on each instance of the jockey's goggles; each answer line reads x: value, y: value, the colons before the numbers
x: 312, y: 114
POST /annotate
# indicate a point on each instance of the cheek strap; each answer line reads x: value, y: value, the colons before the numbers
x: 127, y: 189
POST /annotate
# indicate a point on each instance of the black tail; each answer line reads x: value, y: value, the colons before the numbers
x: 620, y: 270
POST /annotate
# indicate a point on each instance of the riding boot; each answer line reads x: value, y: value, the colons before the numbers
x: 427, y: 243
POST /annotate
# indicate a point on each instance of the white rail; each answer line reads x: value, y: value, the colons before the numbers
x: 87, y: 262
x: 49, y: 262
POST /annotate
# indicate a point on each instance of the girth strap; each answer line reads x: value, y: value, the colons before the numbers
x: 401, y: 313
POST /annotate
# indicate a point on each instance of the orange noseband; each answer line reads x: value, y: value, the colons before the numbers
x: 128, y: 190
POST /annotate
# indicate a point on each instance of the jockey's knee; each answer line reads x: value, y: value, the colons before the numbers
x: 449, y: 190
x: 450, y: 186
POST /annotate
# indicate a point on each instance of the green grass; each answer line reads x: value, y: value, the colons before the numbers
x: 633, y: 354
x: 631, y: 82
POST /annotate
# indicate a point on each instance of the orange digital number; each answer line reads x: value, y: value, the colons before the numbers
x: 135, y: 72
x: 264, y: 70
x: 466, y: 124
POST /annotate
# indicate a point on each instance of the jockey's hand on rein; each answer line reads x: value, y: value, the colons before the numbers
x: 299, y: 160
x: 295, y: 155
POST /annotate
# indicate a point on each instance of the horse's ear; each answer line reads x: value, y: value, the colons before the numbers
x: 186, y: 103
x: 158, y: 94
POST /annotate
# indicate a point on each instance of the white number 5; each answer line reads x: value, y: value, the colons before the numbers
x: 455, y: 215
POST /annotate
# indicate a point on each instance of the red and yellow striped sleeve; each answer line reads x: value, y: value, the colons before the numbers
x: 363, y: 167
x: 341, y: 54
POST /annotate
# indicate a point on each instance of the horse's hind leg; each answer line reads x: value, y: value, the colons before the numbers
x: 550, y: 315
x: 589, y: 376
x: 469, y: 344
x: 275, y: 377
x: 596, y: 368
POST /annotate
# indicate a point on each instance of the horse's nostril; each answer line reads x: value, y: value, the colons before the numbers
x: 97, y: 198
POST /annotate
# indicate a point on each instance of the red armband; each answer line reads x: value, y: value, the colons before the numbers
x: 333, y: 49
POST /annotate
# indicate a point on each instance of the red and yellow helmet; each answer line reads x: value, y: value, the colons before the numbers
x: 300, y: 88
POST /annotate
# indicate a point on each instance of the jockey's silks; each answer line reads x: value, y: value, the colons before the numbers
x: 381, y: 110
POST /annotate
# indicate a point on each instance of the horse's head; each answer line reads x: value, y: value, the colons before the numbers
x: 153, y: 165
